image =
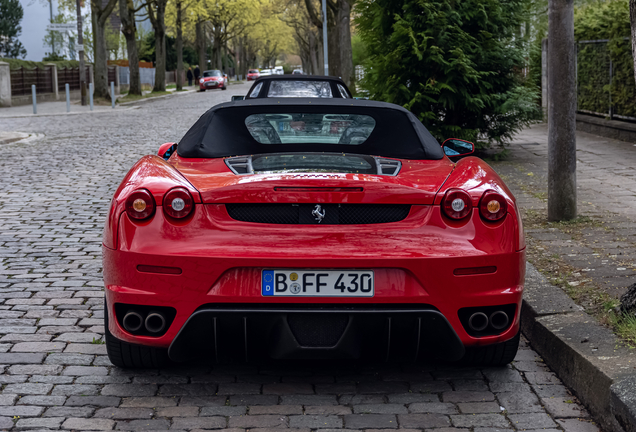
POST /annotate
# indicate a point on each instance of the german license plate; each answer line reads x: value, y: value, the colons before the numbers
x: 317, y: 283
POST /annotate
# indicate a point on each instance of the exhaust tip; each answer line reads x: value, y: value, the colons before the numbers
x: 499, y: 320
x: 155, y: 322
x: 132, y: 321
x: 478, y: 321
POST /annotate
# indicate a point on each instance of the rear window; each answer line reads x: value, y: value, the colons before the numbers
x: 310, y: 128
x: 319, y: 89
x: 253, y: 71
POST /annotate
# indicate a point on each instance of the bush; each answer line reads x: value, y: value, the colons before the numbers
x: 605, y: 21
x: 455, y: 64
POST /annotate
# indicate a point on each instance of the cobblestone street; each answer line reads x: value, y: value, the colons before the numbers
x: 54, y: 372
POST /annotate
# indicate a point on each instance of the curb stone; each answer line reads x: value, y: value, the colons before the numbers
x: 587, y: 357
x: 623, y: 403
x: 149, y: 99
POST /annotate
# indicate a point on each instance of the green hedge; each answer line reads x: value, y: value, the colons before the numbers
x: 62, y: 64
x: 605, y: 21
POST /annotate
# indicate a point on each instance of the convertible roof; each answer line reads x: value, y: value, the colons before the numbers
x: 221, y: 131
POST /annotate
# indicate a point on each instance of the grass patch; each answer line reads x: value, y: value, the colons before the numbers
x: 625, y: 327
x: 131, y: 98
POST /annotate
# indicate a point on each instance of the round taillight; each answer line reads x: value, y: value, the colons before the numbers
x: 457, y: 204
x: 178, y: 203
x: 492, y: 206
x: 140, y: 204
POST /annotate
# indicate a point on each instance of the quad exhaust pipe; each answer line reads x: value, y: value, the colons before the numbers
x: 499, y: 320
x: 155, y: 322
x: 133, y: 322
x: 479, y: 321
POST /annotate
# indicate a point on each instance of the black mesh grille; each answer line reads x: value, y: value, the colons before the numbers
x: 334, y: 214
x: 317, y: 330
x: 264, y: 213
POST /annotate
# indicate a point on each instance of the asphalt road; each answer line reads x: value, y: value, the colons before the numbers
x: 54, y: 372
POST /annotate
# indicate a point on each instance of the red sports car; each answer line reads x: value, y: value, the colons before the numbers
x: 312, y: 228
x: 252, y: 74
x: 213, y: 79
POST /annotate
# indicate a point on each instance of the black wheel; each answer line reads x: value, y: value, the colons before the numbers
x: 127, y: 355
x: 201, y: 90
x: 492, y: 355
x: 224, y: 88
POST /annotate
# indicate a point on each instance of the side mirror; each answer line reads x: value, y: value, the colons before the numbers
x: 237, y: 97
x: 454, y: 147
x: 166, y: 150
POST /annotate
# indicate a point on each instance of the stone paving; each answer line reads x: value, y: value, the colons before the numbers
x: 602, y: 252
x: 54, y: 373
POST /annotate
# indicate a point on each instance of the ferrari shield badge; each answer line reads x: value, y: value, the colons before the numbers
x: 318, y: 213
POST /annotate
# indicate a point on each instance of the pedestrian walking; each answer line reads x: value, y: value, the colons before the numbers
x: 190, y: 75
x: 197, y: 74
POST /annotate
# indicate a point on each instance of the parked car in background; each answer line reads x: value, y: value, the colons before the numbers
x: 297, y: 72
x: 266, y: 72
x: 298, y: 86
x: 252, y: 74
x: 213, y: 79
x: 278, y: 70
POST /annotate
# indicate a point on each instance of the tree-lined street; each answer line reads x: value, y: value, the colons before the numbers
x: 54, y: 369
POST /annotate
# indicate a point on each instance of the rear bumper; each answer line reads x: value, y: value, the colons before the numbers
x: 219, y: 263
x: 243, y: 333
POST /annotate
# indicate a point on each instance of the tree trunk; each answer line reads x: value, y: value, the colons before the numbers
x: 99, y: 16
x: 180, y: 73
x: 202, y: 45
x: 333, y: 38
x: 157, y: 15
x: 129, y: 29
x: 344, y: 38
x: 561, y: 111
x: 632, y: 17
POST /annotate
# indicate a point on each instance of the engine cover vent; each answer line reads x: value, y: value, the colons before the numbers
x: 390, y: 167
x: 240, y: 165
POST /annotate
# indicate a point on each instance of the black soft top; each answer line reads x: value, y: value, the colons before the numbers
x: 221, y: 131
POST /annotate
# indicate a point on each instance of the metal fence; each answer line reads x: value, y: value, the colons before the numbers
x: 147, y: 76
x: 22, y: 79
x: 605, y: 78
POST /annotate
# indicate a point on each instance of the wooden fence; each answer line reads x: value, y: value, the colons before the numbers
x: 22, y: 79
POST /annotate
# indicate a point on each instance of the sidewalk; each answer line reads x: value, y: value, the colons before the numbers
x: 59, y: 107
x: 593, y: 258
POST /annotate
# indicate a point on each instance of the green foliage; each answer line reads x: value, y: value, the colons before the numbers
x: 456, y: 65
x: 598, y: 21
x: 16, y: 63
x: 11, y: 13
x: 48, y: 57
x: 359, y: 50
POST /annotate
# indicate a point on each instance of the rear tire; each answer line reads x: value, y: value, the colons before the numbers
x: 492, y: 355
x: 127, y: 355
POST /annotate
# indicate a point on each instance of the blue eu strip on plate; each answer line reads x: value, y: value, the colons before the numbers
x: 267, y: 283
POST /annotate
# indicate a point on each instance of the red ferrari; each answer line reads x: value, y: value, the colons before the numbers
x: 312, y: 229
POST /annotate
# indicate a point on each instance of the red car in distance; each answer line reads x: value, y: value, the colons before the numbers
x: 252, y: 74
x: 213, y: 79
x: 312, y: 228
